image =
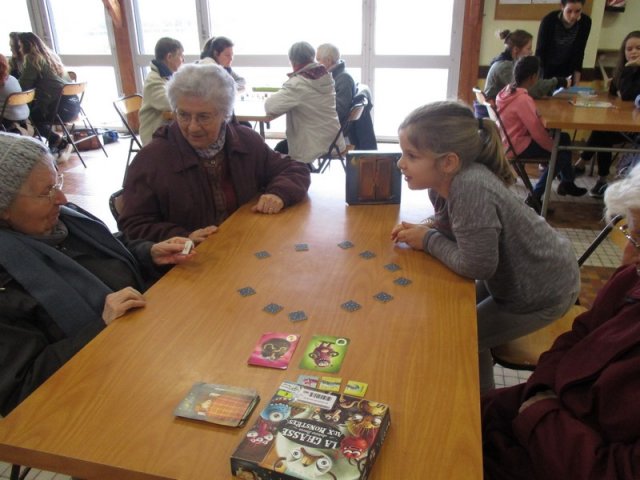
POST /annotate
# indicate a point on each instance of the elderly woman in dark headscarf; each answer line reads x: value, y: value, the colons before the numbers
x: 204, y: 166
x: 63, y: 275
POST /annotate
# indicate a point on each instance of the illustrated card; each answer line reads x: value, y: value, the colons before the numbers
x: 274, y: 350
x: 324, y: 353
x: 220, y: 404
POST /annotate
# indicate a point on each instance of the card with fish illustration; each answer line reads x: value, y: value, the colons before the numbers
x: 274, y: 350
x: 325, y: 353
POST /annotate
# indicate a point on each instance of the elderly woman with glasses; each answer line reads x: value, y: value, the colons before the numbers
x: 63, y: 275
x: 201, y: 168
x: 577, y: 417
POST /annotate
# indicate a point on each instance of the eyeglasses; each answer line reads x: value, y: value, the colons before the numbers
x: 625, y: 231
x: 51, y: 194
x: 202, y: 119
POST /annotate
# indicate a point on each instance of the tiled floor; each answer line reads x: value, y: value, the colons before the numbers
x: 580, y: 219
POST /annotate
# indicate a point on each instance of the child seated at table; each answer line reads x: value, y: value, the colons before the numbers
x: 530, y: 139
x: 527, y: 275
x: 626, y: 85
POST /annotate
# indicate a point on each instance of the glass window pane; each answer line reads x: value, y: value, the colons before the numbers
x: 101, y: 91
x: 250, y: 22
x: 88, y: 36
x: 167, y: 18
x: 392, y: 104
x: 426, y: 30
x: 17, y: 21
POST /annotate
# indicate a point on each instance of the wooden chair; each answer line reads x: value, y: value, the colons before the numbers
x: 68, y: 128
x: 127, y: 106
x: 523, y: 353
x: 334, y: 152
x: 16, y: 99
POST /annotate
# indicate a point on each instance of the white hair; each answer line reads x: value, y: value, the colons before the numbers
x: 624, y: 195
x: 329, y: 52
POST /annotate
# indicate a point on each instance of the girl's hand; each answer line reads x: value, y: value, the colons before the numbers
x: 410, y: 233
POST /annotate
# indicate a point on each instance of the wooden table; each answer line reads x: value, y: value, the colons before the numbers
x: 108, y: 413
x: 558, y: 114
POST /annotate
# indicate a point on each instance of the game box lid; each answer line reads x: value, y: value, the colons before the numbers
x: 304, y: 433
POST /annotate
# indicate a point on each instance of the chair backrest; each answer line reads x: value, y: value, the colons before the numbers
x: 495, y: 116
x: 20, y: 98
x: 74, y: 88
x: 128, y: 105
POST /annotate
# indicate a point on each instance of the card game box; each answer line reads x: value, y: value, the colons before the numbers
x: 373, y: 177
x: 304, y: 433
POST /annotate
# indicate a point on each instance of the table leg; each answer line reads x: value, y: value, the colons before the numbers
x: 550, y: 175
x: 261, y: 129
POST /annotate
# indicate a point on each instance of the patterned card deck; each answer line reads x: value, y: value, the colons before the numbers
x: 302, y: 247
x: 402, y: 281
x: 351, y: 306
x: 246, y: 291
x: 383, y: 297
x: 262, y: 254
x: 272, y: 308
x: 392, y: 267
x: 346, y: 244
x: 367, y: 254
x: 297, y: 316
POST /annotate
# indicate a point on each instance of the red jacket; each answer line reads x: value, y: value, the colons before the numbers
x: 166, y: 192
x: 592, y: 430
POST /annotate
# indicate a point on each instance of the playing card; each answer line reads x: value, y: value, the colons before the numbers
x: 302, y: 247
x: 392, y: 267
x: 297, y: 316
x: 272, y: 308
x: 324, y: 353
x: 351, y: 306
x: 262, y: 254
x: 246, y: 291
x: 403, y: 282
x: 355, y: 389
x: 346, y: 244
x: 330, y: 384
x: 367, y: 254
x: 383, y: 297
x: 308, y: 380
x: 274, y: 350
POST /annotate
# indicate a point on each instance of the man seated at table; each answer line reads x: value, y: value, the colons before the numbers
x: 168, y: 58
x: 202, y: 167
x: 309, y: 100
x: 63, y: 276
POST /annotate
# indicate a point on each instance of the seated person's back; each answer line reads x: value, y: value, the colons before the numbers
x: 308, y: 98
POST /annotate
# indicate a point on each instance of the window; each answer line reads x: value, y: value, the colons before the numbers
x: 86, y: 37
x: 167, y: 18
x: 17, y: 21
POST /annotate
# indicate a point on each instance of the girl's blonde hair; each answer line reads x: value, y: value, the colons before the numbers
x: 447, y: 126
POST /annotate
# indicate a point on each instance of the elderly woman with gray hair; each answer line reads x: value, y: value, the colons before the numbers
x: 329, y: 56
x: 308, y: 98
x: 63, y: 275
x: 201, y: 168
x: 576, y: 416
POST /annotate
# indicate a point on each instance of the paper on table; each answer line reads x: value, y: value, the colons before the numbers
x: 590, y: 103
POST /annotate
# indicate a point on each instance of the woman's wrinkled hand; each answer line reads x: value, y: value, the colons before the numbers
x: 118, y: 303
x: 269, y: 204
x: 200, y: 235
x: 169, y: 252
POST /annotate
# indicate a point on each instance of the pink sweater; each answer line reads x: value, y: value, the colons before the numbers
x: 521, y: 120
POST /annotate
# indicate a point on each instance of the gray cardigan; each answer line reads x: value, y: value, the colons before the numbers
x: 526, y: 264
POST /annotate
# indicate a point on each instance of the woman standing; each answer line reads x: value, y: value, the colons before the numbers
x: 562, y: 38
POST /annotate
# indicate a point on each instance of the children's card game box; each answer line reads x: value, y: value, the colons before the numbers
x: 308, y: 434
